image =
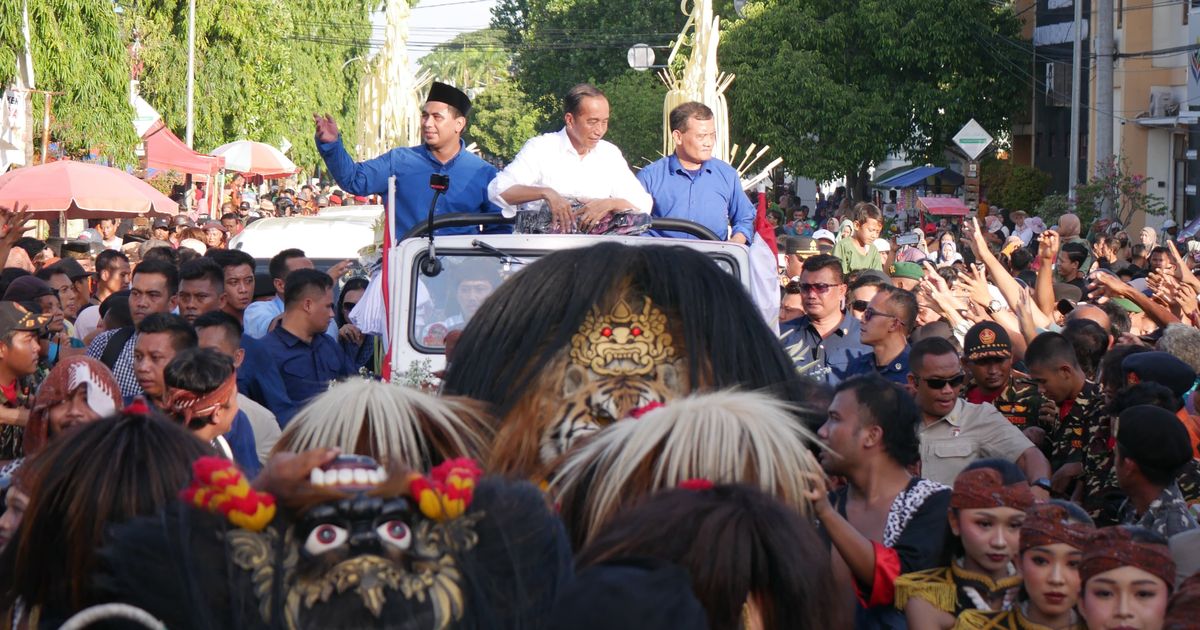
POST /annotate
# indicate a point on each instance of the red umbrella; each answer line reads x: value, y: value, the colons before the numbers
x: 82, y: 191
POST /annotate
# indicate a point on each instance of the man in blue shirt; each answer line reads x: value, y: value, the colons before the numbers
x: 691, y: 184
x: 443, y: 119
x: 307, y: 359
x: 259, y: 316
x: 826, y: 339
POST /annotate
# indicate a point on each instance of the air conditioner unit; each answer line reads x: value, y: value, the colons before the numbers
x: 1162, y: 102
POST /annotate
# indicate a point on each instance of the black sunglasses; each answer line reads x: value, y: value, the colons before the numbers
x: 941, y: 383
x: 859, y: 305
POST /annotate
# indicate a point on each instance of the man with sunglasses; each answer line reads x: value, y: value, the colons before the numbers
x: 886, y: 322
x: 954, y: 432
x: 827, y: 338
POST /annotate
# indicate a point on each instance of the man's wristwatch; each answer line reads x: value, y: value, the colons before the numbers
x: 1041, y: 482
x: 993, y: 307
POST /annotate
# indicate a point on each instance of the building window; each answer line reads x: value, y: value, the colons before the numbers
x: 1058, y: 84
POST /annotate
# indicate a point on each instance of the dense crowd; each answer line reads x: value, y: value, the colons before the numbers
x: 960, y: 423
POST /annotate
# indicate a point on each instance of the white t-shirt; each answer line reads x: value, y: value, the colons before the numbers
x: 87, y: 322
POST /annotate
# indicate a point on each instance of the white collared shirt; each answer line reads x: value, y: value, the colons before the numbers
x: 551, y: 160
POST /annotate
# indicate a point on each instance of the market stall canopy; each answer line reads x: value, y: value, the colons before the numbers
x: 943, y: 206
x: 165, y: 151
x: 911, y: 176
x: 255, y: 158
x: 82, y: 191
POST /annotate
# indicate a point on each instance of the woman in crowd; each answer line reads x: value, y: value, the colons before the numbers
x: 358, y: 346
x: 1053, y: 539
x: 1127, y: 575
x: 987, y: 510
x: 754, y: 562
x: 105, y: 472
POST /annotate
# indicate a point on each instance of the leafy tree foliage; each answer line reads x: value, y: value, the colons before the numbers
x: 636, y: 112
x: 1014, y: 186
x: 262, y: 68
x: 834, y: 86
x: 78, y: 48
x: 472, y: 60
x: 501, y: 121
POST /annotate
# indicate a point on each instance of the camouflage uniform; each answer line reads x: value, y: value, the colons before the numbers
x: 1019, y: 401
x: 1168, y: 514
x: 1067, y: 435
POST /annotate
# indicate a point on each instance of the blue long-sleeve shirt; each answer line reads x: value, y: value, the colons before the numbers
x: 305, y: 368
x: 261, y: 382
x: 712, y: 196
x: 412, y: 166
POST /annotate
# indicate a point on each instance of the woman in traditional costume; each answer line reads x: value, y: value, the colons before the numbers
x: 1127, y: 577
x: 1052, y: 542
x: 987, y: 510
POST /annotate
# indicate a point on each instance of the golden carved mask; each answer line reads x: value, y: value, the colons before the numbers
x: 623, y: 342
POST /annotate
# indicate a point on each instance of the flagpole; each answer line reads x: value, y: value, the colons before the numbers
x: 386, y: 275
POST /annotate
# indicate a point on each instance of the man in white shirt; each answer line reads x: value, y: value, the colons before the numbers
x: 572, y: 162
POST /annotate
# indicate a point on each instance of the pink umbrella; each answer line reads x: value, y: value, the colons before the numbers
x: 256, y: 158
x: 81, y: 191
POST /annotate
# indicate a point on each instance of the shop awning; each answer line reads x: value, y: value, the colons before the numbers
x: 910, y: 178
x: 165, y: 151
x: 943, y: 206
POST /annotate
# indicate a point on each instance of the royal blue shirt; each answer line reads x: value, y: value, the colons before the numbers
x: 895, y: 370
x: 412, y: 166
x: 306, y: 368
x: 712, y: 197
x: 831, y: 355
x: 240, y: 438
x: 260, y: 381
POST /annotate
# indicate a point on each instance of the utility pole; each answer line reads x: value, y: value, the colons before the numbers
x: 1104, y: 95
x: 191, y: 70
x: 1076, y: 67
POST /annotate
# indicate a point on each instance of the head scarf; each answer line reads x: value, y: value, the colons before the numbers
x: 188, y: 404
x: 1068, y: 227
x: 846, y: 223
x: 1184, y: 608
x: 983, y: 488
x: 1047, y: 524
x: 103, y: 395
x: 1114, y: 547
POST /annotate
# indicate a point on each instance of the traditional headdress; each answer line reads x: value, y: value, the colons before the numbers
x: 1184, y: 609
x: 400, y: 427
x: 1114, y: 547
x: 983, y: 488
x: 103, y: 395
x: 188, y: 404
x: 722, y: 437
x: 1047, y: 524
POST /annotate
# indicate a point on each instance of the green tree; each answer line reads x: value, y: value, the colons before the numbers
x: 1130, y: 193
x: 262, y: 68
x: 470, y: 61
x: 501, y: 121
x: 834, y: 86
x: 1014, y: 186
x: 78, y: 49
x: 636, y: 103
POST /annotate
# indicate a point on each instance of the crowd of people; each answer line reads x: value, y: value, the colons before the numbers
x: 992, y: 427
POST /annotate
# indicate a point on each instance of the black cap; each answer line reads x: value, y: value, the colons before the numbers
x: 633, y: 593
x: 14, y: 317
x: 1153, y: 436
x: 27, y: 289
x: 1163, y: 368
x: 72, y: 268
x: 449, y: 95
x: 161, y: 224
x: 987, y: 340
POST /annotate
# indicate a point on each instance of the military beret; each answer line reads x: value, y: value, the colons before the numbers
x: 1162, y: 368
x: 909, y: 270
x: 1153, y: 436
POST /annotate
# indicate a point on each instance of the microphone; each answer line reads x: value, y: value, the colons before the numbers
x: 431, y: 266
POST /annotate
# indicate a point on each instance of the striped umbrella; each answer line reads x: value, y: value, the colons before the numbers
x: 255, y: 158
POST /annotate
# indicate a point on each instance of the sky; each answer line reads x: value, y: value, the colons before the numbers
x: 437, y: 21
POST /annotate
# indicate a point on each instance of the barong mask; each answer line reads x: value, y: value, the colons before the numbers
x: 363, y: 545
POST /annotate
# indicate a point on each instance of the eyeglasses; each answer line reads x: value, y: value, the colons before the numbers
x: 346, y: 306
x: 871, y: 313
x: 941, y: 383
x: 859, y: 305
x: 820, y: 287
